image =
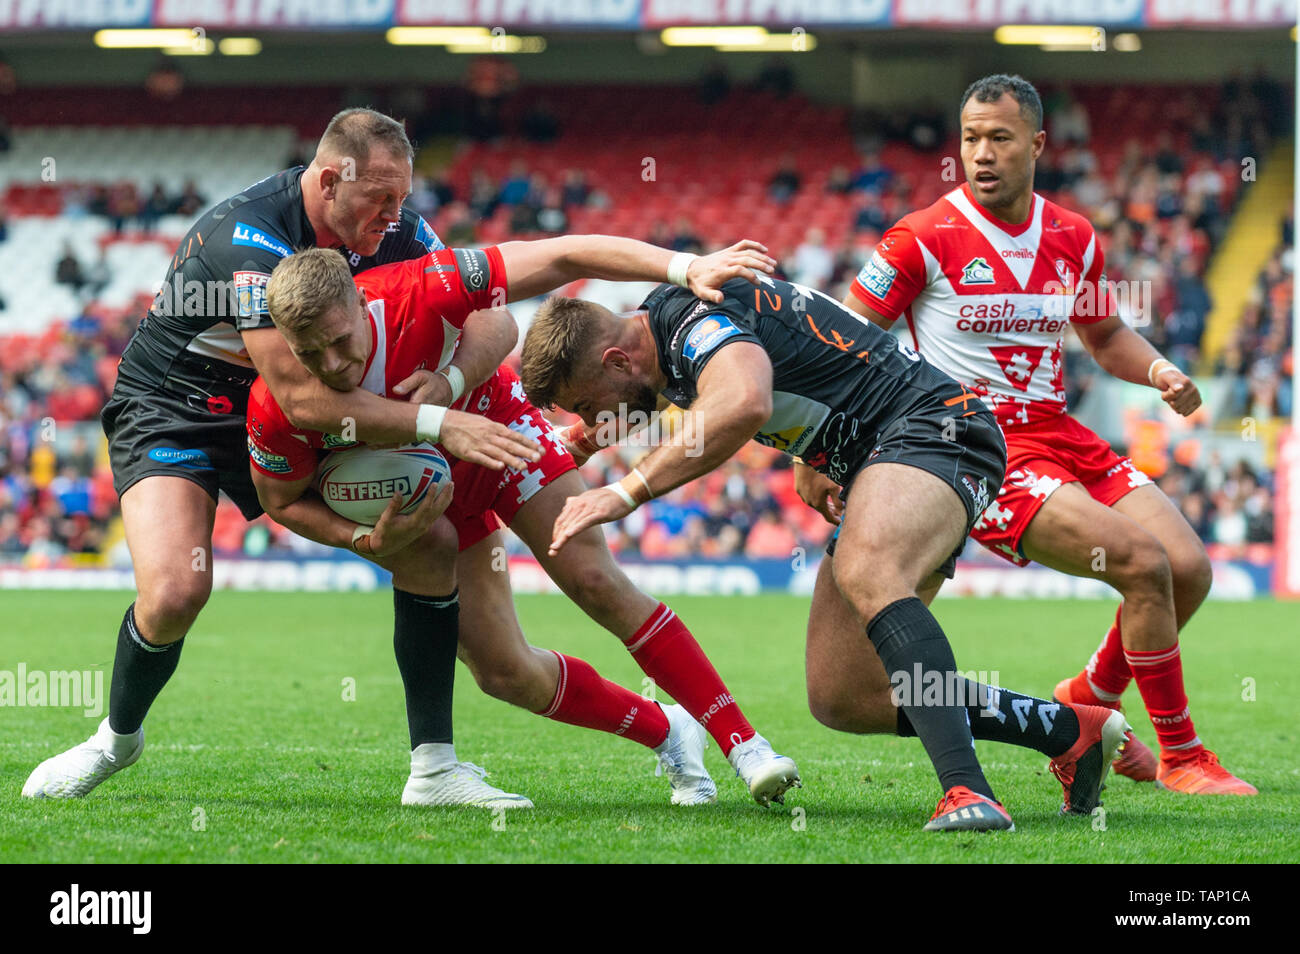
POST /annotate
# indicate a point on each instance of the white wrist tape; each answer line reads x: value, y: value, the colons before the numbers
x: 677, y: 266
x: 644, y: 483
x: 622, y: 492
x: 361, y: 531
x: 456, y: 378
x: 428, y: 422
x: 1151, y: 371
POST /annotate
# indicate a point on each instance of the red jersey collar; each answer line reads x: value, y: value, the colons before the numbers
x: 1007, y: 227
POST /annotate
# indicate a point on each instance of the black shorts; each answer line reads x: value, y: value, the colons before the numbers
x: 957, y: 441
x: 159, y: 435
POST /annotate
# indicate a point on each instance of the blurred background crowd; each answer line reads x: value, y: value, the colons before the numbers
x: 1162, y: 185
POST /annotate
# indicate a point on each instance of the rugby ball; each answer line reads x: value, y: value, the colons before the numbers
x: 357, y: 483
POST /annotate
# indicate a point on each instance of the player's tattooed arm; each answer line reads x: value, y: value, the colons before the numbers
x: 488, y: 337
x: 534, y: 268
x: 1125, y: 354
x: 734, y: 399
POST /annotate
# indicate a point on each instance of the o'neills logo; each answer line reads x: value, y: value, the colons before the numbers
x: 1171, y: 720
x: 367, y: 489
x: 719, y: 703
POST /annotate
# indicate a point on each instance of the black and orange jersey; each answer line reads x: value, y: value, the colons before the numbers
x: 837, y: 379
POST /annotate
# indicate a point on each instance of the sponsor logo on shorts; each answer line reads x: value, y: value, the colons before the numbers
x: 877, y: 276
x: 708, y: 334
x: 977, y: 272
x: 979, y: 494
x: 245, y: 234
x: 250, y: 293
x: 191, y: 458
x: 271, y: 463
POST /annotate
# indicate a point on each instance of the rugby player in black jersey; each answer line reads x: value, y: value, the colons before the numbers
x: 176, y: 431
x: 917, y: 454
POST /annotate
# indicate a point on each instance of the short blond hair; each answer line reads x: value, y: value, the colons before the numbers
x: 562, y: 334
x: 306, y: 285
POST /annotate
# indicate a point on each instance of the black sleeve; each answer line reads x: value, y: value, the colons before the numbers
x: 695, y: 339
x: 245, y: 257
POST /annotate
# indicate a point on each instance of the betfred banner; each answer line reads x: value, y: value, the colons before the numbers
x: 1286, y: 515
x: 372, y: 15
x: 341, y: 571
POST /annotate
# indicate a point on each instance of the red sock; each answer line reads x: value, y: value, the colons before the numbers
x: 583, y: 697
x: 1159, y: 677
x: 1108, y: 670
x: 665, y: 649
x: 1107, y: 674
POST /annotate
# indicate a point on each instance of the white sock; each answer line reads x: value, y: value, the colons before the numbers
x: 431, y: 756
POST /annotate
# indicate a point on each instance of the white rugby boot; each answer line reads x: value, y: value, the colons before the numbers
x: 766, y: 774
x: 681, y: 757
x: 75, y: 772
x: 437, y: 779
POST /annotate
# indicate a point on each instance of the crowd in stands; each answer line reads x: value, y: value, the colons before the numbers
x: 56, y: 491
x: 1161, y: 207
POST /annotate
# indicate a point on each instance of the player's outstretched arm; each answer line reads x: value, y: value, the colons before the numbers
x: 1125, y: 354
x: 488, y: 337
x: 734, y: 400
x: 311, y: 405
x: 535, y: 268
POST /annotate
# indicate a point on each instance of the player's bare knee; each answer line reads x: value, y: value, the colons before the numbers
x: 1139, y: 565
x: 868, y: 589
x: 510, y: 680
x: 832, y: 709
x: 164, y: 614
x: 596, y: 588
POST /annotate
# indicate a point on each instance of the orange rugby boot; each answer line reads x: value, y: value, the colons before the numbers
x: 1198, y: 772
x: 1135, y: 760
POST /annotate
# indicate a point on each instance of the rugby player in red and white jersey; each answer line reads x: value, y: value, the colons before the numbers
x: 987, y: 279
x: 410, y: 315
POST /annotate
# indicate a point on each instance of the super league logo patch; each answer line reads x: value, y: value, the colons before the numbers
x: 977, y: 272
x: 877, y: 276
x: 708, y: 334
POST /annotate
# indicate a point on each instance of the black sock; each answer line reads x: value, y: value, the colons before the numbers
x: 425, y: 638
x: 140, y: 670
x: 1001, y: 715
x: 909, y: 641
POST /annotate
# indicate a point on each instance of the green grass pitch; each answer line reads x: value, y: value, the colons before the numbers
x: 254, y: 755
